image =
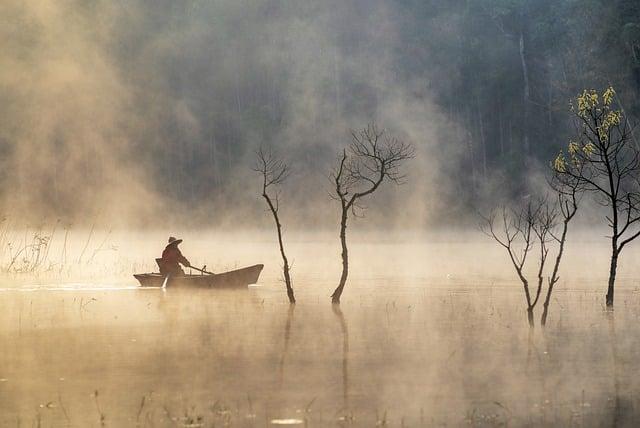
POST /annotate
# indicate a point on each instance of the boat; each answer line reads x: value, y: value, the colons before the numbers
x: 239, y: 278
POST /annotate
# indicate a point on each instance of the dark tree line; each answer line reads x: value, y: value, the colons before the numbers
x: 506, y: 70
x: 502, y: 71
x: 204, y: 79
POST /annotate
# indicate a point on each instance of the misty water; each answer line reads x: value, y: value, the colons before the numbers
x: 427, y: 334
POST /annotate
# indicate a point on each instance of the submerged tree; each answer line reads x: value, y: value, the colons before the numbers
x: 603, y: 160
x: 274, y: 172
x: 567, y: 203
x: 372, y: 158
x: 517, y: 232
x: 535, y: 225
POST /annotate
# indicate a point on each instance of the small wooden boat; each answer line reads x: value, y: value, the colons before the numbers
x: 239, y: 278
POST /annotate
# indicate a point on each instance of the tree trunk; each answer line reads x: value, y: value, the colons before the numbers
x: 530, y: 317
x: 285, y: 261
x: 472, y: 159
x: 612, y: 276
x: 213, y: 160
x: 549, y: 104
x: 501, y: 132
x: 482, y: 139
x: 527, y: 91
x: 554, y: 274
x: 336, y: 74
x: 335, y: 297
x: 237, y: 91
x: 285, y: 268
x: 545, y: 310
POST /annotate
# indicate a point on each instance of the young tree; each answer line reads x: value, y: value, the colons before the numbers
x: 274, y: 172
x: 517, y: 233
x: 567, y: 194
x: 602, y: 160
x: 372, y: 158
x: 536, y: 224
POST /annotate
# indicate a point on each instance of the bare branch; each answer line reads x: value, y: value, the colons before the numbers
x: 274, y: 171
x: 372, y: 157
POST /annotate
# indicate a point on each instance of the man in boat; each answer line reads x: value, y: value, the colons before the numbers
x: 172, y: 258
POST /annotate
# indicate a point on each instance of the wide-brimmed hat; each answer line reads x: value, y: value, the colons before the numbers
x: 174, y: 241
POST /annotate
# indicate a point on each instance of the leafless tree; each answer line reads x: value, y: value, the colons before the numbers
x: 603, y: 161
x: 274, y: 172
x: 538, y: 224
x: 568, y: 192
x: 372, y: 158
x: 517, y: 232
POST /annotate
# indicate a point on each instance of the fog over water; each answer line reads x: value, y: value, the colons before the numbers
x: 123, y: 123
x: 430, y: 333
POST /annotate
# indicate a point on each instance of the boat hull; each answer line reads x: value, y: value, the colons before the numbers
x: 239, y: 278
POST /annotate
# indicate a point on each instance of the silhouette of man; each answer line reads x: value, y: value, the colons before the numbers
x: 172, y: 258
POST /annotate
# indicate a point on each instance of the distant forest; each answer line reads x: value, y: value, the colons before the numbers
x: 508, y: 74
x: 183, y: 93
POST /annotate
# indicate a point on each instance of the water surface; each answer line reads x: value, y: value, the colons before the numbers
x: 426, y: 346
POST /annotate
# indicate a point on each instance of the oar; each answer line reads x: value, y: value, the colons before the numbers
x: 202, y: 270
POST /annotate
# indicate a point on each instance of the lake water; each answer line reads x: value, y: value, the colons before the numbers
x: 426, y: 335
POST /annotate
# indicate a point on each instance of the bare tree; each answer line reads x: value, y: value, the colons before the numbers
x: 602, y: 160
x: 517, y: 232
x: 535, y: 225
x: 372, y: 157
x: 274, y: 172
x: 567, y: 192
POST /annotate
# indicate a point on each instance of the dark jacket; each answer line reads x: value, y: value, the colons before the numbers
x: 171, y: 260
